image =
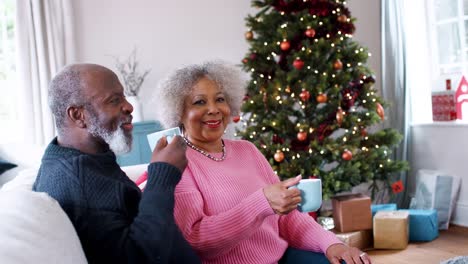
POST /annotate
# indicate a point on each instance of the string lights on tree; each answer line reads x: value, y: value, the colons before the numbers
x: 311, y: 97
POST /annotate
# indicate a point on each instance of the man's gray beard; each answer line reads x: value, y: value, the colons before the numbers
x: 118, y: 142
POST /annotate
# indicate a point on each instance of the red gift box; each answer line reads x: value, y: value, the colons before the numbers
x: 444, y: 107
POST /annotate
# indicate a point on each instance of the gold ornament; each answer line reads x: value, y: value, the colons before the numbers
x: 342, y: 19
x: 380, y: 110
x: 321, y: 98
x: 338, y: 65
x: 347, y: 155
x: 279, y: 156
x: 249, y: 35
x: 339, y: 116
x: 301, y: 136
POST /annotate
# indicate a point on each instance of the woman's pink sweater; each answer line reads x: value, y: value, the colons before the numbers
x: 222, y: 211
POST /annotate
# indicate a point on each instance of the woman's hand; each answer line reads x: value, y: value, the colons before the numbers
x: 172, y: 153
x: 337, y: 252
x: 281, y: 199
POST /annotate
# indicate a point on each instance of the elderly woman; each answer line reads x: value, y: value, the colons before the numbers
x: 230, y: 205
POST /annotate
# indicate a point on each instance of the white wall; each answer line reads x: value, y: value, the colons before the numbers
x: 443, y: 147
x: 169, y: 34
x: 368, y: 32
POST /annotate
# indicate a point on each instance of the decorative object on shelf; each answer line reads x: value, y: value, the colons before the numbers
x: 462, y: 98
x: 132, y: 80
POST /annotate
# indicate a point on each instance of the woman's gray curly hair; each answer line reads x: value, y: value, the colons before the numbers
x: 170, y: 94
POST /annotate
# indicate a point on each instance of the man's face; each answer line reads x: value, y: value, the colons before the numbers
x: 109, y: 116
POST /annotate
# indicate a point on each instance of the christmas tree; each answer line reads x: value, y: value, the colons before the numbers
x: 310, y: 105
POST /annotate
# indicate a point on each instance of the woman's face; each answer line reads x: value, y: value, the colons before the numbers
x: 206, y: 113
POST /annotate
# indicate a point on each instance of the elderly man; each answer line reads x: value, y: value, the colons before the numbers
x: 116, y: 223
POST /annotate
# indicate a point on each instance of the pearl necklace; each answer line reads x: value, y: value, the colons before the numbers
x: 206, y: 154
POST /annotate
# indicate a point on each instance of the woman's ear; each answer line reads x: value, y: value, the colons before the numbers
x: 76, y: 116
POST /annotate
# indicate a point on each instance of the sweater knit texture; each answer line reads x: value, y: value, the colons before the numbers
x: 223, y: 213
x: 114, y: 221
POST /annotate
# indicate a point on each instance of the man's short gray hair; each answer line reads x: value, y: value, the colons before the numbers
x: 65, y: 90
x: 170, y: 94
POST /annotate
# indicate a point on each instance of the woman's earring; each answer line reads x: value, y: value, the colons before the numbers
x: 182, y: 130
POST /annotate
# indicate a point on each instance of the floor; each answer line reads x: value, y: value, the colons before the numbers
x: 450, y: 243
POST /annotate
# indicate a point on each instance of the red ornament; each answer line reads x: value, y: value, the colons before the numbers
x: 277, y: 140
x: 339, y: 116
x: 338, y: 65
x: 347, y: 155
x: 245, y: 60
x: 235, y: 119
x: 310, y: 32
x: 279, y: 156
x: 364, y: 132
x: 380, y: 110
x: 342, y: 18
x: 246, y: 97
x: 249, y: 35
x: 285, y: 45
x: 298, y: 64
x: 321, y: 98
x: 301, y: 136
x: 253, y: 56
x: 397, y: 187
x: 304, y: 95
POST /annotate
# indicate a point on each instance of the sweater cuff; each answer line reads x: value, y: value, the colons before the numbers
x: 163, y: 175
x: 261, y: 203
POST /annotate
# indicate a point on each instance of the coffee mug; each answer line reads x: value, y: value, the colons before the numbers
x: 311, y: 194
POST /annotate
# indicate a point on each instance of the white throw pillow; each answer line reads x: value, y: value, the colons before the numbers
x: 24, y: 180
x: 35, y: 229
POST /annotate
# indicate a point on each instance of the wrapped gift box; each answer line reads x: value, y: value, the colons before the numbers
x: 444, y: 106
x: 383, y: 207
x: 361, y: 239
x: 391, y: 230
x: 423, y: 224
x: 352, y: 212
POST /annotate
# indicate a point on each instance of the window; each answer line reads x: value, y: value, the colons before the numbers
x: 448, y: 31
x: 436, y: 50
x: 8, y: 91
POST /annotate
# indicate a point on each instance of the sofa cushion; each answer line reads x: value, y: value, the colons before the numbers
x: 34, y: 229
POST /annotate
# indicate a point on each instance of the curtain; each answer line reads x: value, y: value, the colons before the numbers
x: 394, y: 81
x: 45, y: 44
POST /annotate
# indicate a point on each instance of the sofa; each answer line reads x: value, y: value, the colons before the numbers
x: 33, y: 227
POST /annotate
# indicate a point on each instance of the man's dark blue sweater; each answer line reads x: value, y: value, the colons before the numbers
x: 116, y: 223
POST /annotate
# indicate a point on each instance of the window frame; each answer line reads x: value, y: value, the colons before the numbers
x: 459, y: 68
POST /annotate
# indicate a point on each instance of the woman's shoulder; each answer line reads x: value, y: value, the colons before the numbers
x: 240, y: 145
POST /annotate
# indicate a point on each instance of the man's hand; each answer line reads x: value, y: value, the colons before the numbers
x: 281, y: 199
x: 172, y: 153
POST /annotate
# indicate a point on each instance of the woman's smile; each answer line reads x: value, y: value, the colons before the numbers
x: 213, y: 123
